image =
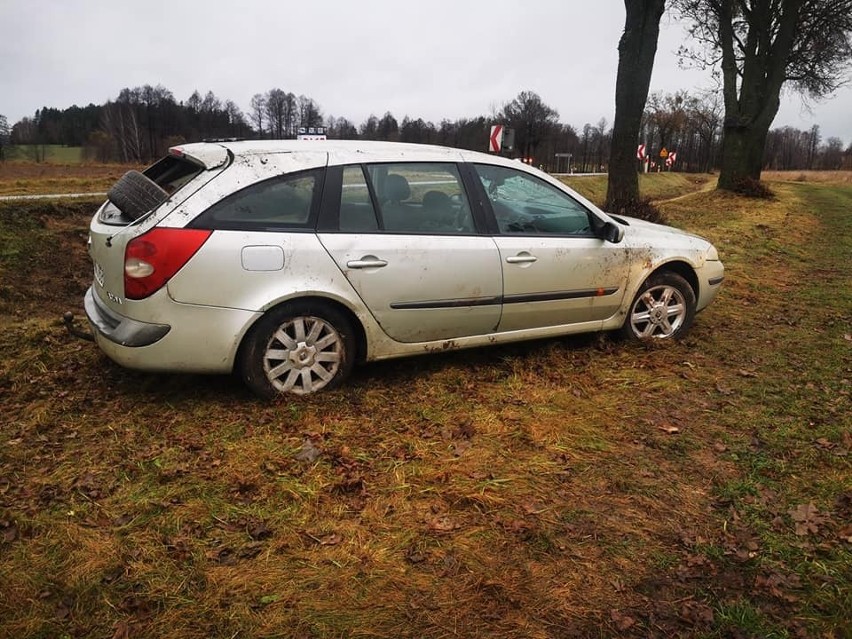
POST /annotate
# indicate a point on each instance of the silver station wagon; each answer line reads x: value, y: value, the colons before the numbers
x: 290, y: 261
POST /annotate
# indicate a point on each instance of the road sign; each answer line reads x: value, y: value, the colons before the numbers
x: 495, y: 142
x: 664, y: 153
x: 640, y: 152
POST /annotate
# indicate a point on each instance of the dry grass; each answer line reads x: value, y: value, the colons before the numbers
x: 23, y: 178
x: 527, y: 491
x: 654, y: 186
x: 819, y: 177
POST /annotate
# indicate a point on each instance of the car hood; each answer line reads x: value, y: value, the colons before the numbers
x: 667, y: 238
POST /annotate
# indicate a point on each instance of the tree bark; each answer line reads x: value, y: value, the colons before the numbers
x: 751, y: 108
x: 636, y: 51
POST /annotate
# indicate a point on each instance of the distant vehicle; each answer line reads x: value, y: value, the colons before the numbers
x: 290, y: 261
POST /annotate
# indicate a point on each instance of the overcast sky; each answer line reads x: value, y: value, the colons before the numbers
x: 433, y: 59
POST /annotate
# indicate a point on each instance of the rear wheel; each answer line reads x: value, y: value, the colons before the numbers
x: 663, y: 308
x: 298, y: 348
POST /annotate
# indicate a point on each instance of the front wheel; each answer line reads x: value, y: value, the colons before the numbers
x: 663, y: 308
x: 298, y: 348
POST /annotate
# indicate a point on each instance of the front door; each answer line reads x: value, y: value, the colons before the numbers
x: 555, y: 271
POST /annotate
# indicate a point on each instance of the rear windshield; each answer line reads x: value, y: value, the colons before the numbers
x: 170, y: 174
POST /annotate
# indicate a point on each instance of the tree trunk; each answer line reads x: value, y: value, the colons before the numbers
x: 636, y: 52
x: 742, y: 155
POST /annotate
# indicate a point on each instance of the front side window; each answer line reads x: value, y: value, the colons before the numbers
x: 526, y: 205
x: 422, y: 197
x: 281, y: 202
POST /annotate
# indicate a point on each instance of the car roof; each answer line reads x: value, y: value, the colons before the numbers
x: 336, y: 152
x: 213, y: 154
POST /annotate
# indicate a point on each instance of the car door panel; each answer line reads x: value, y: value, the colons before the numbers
x: 422, y: 288
x: 554, y: 281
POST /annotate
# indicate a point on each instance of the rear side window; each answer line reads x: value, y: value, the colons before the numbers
x: 357, y: 214
x: 422, y: 198
x: 284, y: 202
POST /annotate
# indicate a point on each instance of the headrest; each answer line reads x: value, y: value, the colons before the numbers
x: 436, y: 200
x: 396, y: 188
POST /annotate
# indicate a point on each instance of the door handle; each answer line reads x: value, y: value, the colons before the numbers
x: 522, y: 258
x: 368, y: 261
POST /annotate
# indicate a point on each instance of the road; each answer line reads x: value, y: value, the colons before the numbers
x: 53, y: 196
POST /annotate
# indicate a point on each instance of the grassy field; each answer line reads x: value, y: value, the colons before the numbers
x: 51, y: 153
x: 566, y: 488
x: 30, y: 178
x: 656, y: 186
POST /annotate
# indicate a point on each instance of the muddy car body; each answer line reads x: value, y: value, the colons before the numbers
x: 289, y: 261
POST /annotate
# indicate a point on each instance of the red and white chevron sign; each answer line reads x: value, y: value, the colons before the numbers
x: 640, y: 152
x: 495, y: 142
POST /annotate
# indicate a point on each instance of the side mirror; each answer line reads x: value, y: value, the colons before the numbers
x: 613, y: 233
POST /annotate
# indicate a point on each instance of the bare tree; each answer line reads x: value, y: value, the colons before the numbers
x: 258, y: 112
x: 706, y: 117
x: 636, y: 51
x: 276, y: 113
x: 761, y: 46
x: 120, y: 124
x: 388, y: 128
x: 236, y: 120
x: 369, y: 128
x: 308, y: 112
x: 532, y: 119
x: 4, y: 136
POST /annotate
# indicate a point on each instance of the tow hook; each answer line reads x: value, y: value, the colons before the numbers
x: 68, y: 320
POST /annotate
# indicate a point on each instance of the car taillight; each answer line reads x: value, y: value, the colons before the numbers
x: 150, y: 260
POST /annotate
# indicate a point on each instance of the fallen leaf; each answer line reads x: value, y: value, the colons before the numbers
x: 308, y: 452
x: 10, y: 531
x: 442, y: 524
x: 121, y: 630
x: 460, y: 447
x: 533, y: 507
x: 250, y: 550
x: 719, y: 447
x: 330, y: 540
x: 745, y: 373
x: 668, y: 428
x: 414, y: 556
x: 822, y: 442
x: 621, y: 620
x: 696, y: 613
x: 259, y: 530
x: 223, y: 555
x: 724, y: 390
x: 807, y: 519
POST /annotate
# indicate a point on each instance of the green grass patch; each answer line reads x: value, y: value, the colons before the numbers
x: 51, y: 153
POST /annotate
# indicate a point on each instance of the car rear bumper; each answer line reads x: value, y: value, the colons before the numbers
x: 191, y: 339
x: 118, y: 329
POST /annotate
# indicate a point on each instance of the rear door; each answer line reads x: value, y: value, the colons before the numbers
x: 408, y: 241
